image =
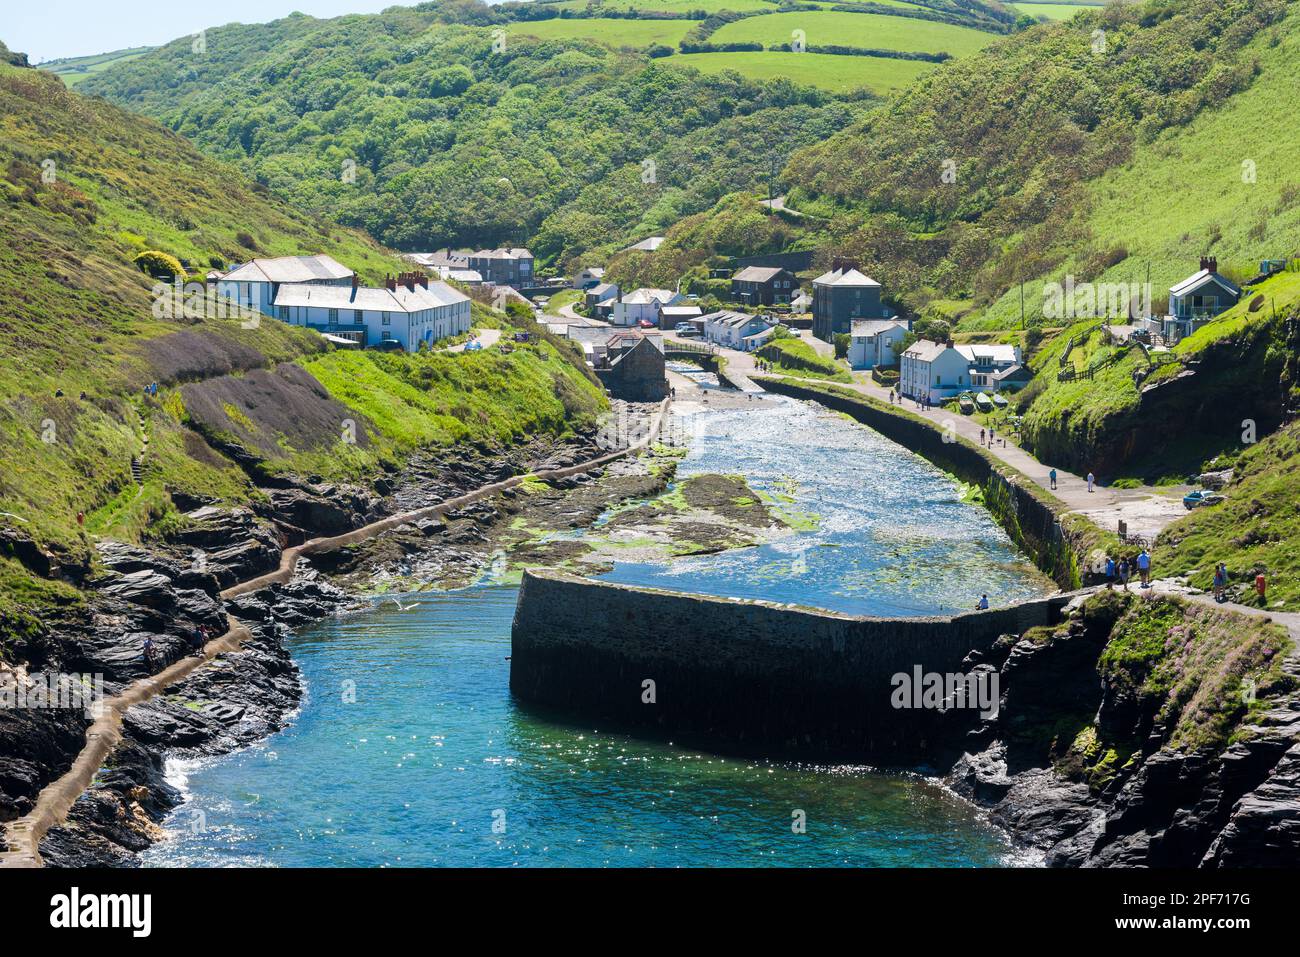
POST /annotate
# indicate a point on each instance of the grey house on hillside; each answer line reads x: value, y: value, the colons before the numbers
x: 842, y: 295
x: 504, y: 267
x: 1195, y: 301
x: 763, y: 285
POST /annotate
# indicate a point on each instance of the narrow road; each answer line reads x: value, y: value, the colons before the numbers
x: 488, y: 337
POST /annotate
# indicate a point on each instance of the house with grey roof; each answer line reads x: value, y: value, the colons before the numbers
x: 406, y: 312
x: 763, y: 285
x: 647, y: 245
x: 511, y: 266
x: 872, y: 342
x: 254, y: 284
x: 642, y: 306
x: 932, y: 371
x: 1196, y: 300
x: 736, y: 330
x: 841, y: 295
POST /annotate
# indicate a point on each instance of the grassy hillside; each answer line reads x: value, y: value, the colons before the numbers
x: 566, y: 143
x: 1052, y: 11
x: 72, y: 70
x: 1186, y: 193
x: 79, y: 340
x: 868, y: 30
x: 838, y: 74
x: 1180, y: 415
x: 1255, y: 529
x: 976, y: 177
x: 635, y: 34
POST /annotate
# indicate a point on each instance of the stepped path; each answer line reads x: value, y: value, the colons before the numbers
x: 1146, y: 509
x: 23, y: 836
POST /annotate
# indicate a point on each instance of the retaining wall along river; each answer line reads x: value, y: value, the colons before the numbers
x: 1030, y: 516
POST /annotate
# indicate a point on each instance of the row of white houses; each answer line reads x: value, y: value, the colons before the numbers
x: 321, y: 294
x: 938, y: 370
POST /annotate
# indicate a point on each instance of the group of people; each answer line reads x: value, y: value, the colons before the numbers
x: 1124, y: 570
x: 992, y: 437
x: 1221, y: 584
x: 199, y: 638
x: 151, y: 389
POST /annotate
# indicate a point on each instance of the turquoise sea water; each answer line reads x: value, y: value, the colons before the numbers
x: 410, y: 751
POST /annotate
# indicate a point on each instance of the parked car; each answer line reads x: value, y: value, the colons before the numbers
x: 685, y: 329
x: 646, y: 324
x: 1200, y: 497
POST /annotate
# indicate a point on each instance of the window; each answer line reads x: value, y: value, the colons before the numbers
x: 387, y: 319
x: 284, y: 313
x: 334, y: 317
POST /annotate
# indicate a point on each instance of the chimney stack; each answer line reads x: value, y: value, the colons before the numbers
x: 843, y: 264
x: 390, y: 283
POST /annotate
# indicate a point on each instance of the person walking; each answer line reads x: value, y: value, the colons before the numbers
x: 1220, y: 581
x: 1261, y: 587
x: 1144, y: 568
x: 1110, y: 572
x: 148, y: 653
x: 991, y: 433
x: 981, y: 436
x: 1123, y: 573
x: 1091, y: 479
x: 1051, y: 477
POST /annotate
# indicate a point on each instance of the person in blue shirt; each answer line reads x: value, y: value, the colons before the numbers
x: 1110, y: 571
x: 983, y: 603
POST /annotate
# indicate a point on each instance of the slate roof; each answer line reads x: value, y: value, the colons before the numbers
x: 290, y: 269
x: 370, y: 298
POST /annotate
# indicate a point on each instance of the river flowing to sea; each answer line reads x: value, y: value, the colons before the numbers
x: 410, y: 751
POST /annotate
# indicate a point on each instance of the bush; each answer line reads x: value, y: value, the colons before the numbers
x: 842, y: 340
x: 160, y: 265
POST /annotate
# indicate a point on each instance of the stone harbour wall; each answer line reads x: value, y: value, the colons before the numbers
x: 747, y: 676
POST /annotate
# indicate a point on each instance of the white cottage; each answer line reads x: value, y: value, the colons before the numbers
x: 254, y: 284
x: 736, y: 330
x: 872, y: 342
x: 933, y: 371
x: 642, y: 305
x: 407, y: 311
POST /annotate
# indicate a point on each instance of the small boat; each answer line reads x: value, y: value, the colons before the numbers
x: 984, y: 402
x: 999, y: 400
x: 967, y: 406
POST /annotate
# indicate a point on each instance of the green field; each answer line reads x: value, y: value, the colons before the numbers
x: 1183, y: 195
x: 668, y: 6
x: 857, y: 29
x: 839, y: 74
x: 637, y: 34
x: 75, y: 69
x: 1053, y: 11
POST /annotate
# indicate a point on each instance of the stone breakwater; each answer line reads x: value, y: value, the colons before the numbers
x: 755, y: 677
x: 762, y: 679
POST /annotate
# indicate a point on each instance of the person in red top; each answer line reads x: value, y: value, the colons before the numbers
x: 1261, y: 587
